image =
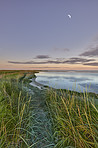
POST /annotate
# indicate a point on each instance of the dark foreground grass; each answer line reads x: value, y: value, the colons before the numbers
x: 74, y: 118
x: 15, y: 112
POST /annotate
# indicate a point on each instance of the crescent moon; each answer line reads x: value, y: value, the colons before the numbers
x: 69, y: 16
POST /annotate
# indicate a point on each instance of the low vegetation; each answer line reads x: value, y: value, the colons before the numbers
x: 15, y: 112
x: 46, y: 119
x: 74, y: 119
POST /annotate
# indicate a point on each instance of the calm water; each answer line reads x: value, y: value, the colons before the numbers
x: 71, y: 80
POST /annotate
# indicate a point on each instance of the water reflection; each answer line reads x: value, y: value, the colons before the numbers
x: 70, y: 80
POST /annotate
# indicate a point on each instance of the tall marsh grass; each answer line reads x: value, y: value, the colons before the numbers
x: 14, y: 114
x: 74, y: 119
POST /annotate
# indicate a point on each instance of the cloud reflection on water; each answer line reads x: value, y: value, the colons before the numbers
x: 69, y: 80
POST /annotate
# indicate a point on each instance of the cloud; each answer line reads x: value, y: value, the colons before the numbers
x: 91, y: 64
x: 42, y: 67
x: 78, y: 60
x: 33, y: 62
x: 57, y: 61
x: 93, y: 52
x: 29, y: 62
x: 62, y: 49
x: 42, y: 57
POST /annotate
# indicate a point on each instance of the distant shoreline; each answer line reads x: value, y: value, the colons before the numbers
x: 37, y: 71
x: 93, y: 71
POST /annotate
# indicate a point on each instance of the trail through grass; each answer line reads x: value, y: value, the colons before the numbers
x: 24, y: 120
x: 41, y: 126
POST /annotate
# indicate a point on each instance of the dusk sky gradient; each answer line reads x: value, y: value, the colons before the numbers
x: 38, y: 34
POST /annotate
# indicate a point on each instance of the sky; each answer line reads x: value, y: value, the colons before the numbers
x: 39, y: 34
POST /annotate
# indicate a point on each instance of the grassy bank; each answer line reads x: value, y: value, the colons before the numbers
x: 74, y: 119
x: 15, y: 111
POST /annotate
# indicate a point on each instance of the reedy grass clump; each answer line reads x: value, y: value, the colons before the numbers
x: 14, y: 114
x: 74, y: 119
